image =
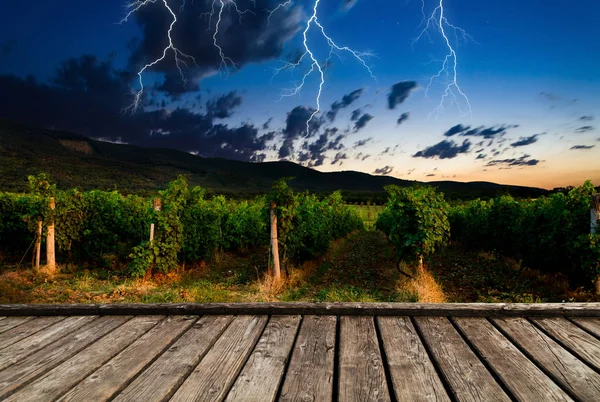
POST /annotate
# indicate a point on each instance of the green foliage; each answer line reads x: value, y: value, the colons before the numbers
x: 549, y: 233
x: 415, y: 221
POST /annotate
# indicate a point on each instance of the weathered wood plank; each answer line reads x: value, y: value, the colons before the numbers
x: 28, y: 328
x: 263, y: 372
x: 12, y: 322
x: 165, y: 375
x: 523, y: 378
x: 566, y: 369
x: 361, y: 371
x: 590, y: 324
x: 468, y: 378
x: 295, y: 308
x: 217, y: 371
x: 310, y: 373
x: 413, y: 375
x: 19, y: 350
x: 49, y: 357
x: 109, y: 379
x: 65, y: 376
x: 574, y: 338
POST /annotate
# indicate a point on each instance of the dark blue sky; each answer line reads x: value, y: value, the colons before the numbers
x: 529, y: 71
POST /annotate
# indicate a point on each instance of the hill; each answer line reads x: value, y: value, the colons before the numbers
x: 78, y: 161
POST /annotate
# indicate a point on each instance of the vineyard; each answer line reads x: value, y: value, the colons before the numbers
x: 348, y: 246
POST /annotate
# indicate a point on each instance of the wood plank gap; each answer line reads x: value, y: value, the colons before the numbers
x: 572, y: 350
x: 68, y: 375
x: 577, y: 322
x: 262, y: 332
x: 384, y: 362
x: 150, y: 362
x: 335, y: 392
x: 434, y: 362
x: 289, y: 359
x: 44, y: 360
x: 534, y: 360
x: 26, y: 330
x: 483, y: 361
x: 13, y: 322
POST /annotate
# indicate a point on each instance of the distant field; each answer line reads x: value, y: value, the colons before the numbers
x: 368, y: 213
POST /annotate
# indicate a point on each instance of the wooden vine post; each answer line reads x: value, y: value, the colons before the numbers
x: 594, y: 217
x: 38, y: 246
x: 50, y: 251
x: 274, y: 244
x: 156, y: 205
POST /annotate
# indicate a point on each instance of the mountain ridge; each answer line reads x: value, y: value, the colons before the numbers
x: 74, y: 160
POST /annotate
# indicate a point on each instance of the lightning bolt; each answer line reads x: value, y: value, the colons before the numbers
x: 216, y: 11
x: 180, y: 57
x: 315, y: 65
x: 449, y: 67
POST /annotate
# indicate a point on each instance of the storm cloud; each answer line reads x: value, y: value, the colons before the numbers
x: 403, y: 117
x: 523, y: 141
x: 384, y: 170
x: 346, y: 101
x: 584, y: 129
x: 522, y: 161
x: 400, y: 92
x: 444, y: 150
x: 362, y: 121
x: 481, y: 131
x: 582, y: 146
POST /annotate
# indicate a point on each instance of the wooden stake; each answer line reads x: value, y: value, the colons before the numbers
x: 274, y: 244
x: 38, y: 246
x: 50, y: 251
x: 156, y: 206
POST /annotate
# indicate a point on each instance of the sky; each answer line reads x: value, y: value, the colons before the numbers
x: 467, y: 90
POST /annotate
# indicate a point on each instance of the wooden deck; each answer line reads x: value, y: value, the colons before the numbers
x: 300, y: 352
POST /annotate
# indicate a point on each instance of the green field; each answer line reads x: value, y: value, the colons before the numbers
x: 368, y: 213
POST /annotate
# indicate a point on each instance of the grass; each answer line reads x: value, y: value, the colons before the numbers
x: 359, y: 268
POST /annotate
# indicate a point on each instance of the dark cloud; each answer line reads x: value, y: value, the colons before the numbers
x: 346, y: 101
x: 584, y: 129
x: 362, y: 156
x: 87, y: 96
x: 431, y: 175
x: 384, y: 170
x: 523, y: 141
x: 355, y: 114
x: 295, y: 128
x: 362, y: 122
x: 481, y: 156
x: 267, y: 124
x: 252, y: 40
x: 444, y: 150
x: 363, y: 142
x: 403, y: 117
x: 315, y: 153
x: 399, y: 92
x: 586, y: 118
x: 481, y: 131
x: 339, y: 157
x: 223, y: 106
x: 522, y: 161
x: 583, y: 147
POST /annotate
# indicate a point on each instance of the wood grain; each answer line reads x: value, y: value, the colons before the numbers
x: 49, y: 357
x: 263, y: 372
x: 114, y: 375
x: 361, y: 371
x: 467, y: 376
x: 61, y: 379
x: 294, y: 308
x: 165, y: 375
x: 19, y: 350
x: 28, y: 328
x: 566, y: 369
x: 12, y: 322
x: 523, y: 378
x: 310, y: 373
x: 217, y: 371
x: 413, y: 375
x: 577, y: 340
x: 590, y: 324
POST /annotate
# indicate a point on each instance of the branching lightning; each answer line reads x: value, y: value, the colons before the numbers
x: 180, y: 57
x: 437, y: 20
